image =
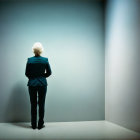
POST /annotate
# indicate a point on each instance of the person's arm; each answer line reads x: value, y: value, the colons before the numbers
x: 27, y: 70
x: 48, y: 69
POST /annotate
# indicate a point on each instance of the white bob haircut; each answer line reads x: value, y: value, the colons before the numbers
x: 37, y: 48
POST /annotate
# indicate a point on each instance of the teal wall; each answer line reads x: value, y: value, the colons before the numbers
x: 123, y: 63
x: 72, y: 33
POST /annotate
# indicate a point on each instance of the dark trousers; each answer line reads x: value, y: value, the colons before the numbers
x: 41, y: 90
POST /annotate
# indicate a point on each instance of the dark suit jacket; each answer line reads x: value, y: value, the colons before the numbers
x: 35, y: 71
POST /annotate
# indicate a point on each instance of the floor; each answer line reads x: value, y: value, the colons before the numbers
x: 84, y: 130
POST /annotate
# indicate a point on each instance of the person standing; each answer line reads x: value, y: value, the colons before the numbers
x: 37, y: 70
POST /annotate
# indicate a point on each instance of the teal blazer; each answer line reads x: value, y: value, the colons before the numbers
x: 35, y: 71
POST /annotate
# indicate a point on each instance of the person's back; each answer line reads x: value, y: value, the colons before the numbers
x: 35, y: 71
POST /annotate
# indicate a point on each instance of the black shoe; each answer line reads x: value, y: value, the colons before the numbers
x: 41, y: 126
x: 34, y: 127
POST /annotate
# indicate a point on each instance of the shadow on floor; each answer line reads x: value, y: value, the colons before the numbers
x: 24, y: 125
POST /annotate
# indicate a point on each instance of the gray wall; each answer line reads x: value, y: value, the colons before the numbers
x: 72, y: 33
x: 122, y: 89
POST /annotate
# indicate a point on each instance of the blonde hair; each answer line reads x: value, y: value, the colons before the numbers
x: 37, y: 48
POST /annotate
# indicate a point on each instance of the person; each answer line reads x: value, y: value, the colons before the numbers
x: 37, y: 83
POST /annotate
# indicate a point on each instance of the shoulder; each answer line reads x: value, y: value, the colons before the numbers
x: 29, y: 58
x: 44, y: 58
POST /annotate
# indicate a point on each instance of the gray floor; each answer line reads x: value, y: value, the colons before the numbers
x: 84, y: 130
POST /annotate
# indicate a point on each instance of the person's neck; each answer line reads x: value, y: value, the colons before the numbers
x: 37, y: 55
